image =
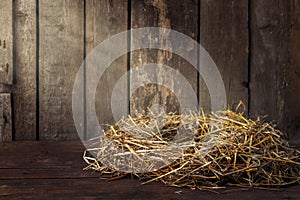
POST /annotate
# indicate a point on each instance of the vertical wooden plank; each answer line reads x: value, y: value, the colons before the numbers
x: 265, y: 92
x: 143, y: 15
x: 5, y: 117
x: 291, y: 118
x: 224, y: 34
x: 24, y: 87
x: 105, y: 19
x: 61, y: 54
x: 275, y: 63
x: 6, y: 42
x: 181, y: 16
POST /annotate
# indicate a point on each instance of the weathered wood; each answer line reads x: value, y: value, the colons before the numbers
x: 5, y: 88
x: 274, y: 57
x: 61, y: 54
x: 24, y: 87
x: 224, y: 34
x: 275, y: 79
x: 143, y: 15
x: 62, y: 154
x: 5, y: 117
x: 266, y: 36
x: 6, y: 42
x: 177, y: 15
x: 291, y: 71
x: 53, y: 170
x: 93, y: 188
x: 46, y: 160
x: 103, y: 20
x: 60, y: 172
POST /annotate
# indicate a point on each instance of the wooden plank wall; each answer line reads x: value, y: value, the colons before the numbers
x: 224, y: 34
x: 275, y: 64
x: 24, y: 87
x: 164, y: 14
x: 255, y: 44
x: 61, y: 47
x: 103, y: 20
x: 6, y: 42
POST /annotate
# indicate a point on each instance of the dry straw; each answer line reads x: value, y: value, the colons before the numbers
x: 242, y: 152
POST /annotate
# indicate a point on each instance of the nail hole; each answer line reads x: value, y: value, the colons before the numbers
x: 0, y: 42
x: 245, y: 84
x: 4, y: 44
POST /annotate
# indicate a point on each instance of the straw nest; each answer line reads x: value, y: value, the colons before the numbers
x: 212, y: 150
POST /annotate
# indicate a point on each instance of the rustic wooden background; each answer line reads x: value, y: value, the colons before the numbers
x: 255, y: 44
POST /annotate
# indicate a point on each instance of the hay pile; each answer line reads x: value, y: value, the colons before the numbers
x: 225, y: 149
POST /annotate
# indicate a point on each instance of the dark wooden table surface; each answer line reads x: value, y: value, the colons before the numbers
x: 53, y: 170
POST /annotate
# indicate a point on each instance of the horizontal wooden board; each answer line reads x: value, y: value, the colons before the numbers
x: 53, y: 170
x: 36, y: 155
x: 42, y: 160
x: 93, y: 188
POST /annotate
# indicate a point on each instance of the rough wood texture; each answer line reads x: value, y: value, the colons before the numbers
x: 93, y: 188
x: 275, y: 64
x: 105, y: 19
x: 5, y: 117
x: 267, y: 33
x: 24, y: 87
x: 272, y: 86
x: 143, y: 15
x: 5, y: 88
x: 6, y: 42
x: 46, y: 160
x: 163, y: 14
x: 61, y: 54
x: 54, y: 171
x: 291, y: 72
x: 224, y: 34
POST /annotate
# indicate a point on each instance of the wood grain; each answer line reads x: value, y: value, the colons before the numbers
x: 266, y: 35
x: 177, y: 15
x: 266, y: 72
x: 53, y: 170
x: 46, y: 160
x: 224, y: 34
x: 61, y: 54
x: 275, y: 64
x: 105, y: 19
x: 5, y: 117
x: 24, y: 87
x: 5, y: 88
x: 143, y: 15
x: 93, y: 188
x: 291, y: 72
x: 6, y: 42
